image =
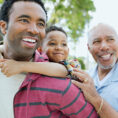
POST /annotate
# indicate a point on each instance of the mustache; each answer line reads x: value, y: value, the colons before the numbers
x: 106, y: 52
x: 29, y: 34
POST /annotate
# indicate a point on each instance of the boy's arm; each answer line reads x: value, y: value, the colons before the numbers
x: 12, y: 67
x: 45, y: 68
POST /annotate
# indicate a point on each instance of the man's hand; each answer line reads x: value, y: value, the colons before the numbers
x: 86, y: 85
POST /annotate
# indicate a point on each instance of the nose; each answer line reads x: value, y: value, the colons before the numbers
x: 104, y: 46
x: 58, y: 47
x: 33, y: 29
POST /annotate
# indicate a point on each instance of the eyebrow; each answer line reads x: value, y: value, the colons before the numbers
x: 26, y: 16
x: 106, y: 37
x: 109, y: 36
x: 96, y: 39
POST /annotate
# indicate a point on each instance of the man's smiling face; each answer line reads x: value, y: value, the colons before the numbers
x: 26, y: 27
x: 103, y: 45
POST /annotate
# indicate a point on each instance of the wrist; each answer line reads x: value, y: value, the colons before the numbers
x: 98, y: 103
x: 21, y: 67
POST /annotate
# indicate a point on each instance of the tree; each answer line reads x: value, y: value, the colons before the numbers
x: 73, y: 15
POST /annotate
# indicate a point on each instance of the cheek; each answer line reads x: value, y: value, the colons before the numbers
x: 66, y: 54
x: 42, y: 34
x: 49, y: 53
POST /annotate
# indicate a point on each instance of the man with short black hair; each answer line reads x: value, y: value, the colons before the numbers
x: 23, y: 24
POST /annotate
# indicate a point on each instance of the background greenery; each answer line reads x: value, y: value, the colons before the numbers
x: 72, y: 15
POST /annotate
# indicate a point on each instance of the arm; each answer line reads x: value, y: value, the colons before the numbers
x: 11, y: 67
x: 92, y: 96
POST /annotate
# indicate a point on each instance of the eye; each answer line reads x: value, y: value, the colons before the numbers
x: 111, y: 39
x: 24, y: 20
x: 41, y: 24
x: 52, y: 43
x: 64, y: 44
x: 96, y: 42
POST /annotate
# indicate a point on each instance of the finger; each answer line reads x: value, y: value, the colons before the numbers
x: 1, y: 64
x: 6, y: 72
x: 3, y: 69
x: 79, y: 70
x: 78, y: 84
x: 75, y: 69
x: 2, y: 60
x: 79, y: 75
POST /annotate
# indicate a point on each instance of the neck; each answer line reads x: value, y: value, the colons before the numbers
x: 103, y: 72
x: 18, y: 57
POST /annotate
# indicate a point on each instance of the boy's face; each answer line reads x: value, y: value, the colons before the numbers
x: 55, y: 46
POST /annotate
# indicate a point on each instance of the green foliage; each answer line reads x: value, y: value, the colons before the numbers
x: 1, y: 1
x: 71, y: 14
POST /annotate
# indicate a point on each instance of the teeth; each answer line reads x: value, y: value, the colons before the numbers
x: 29, y: 40
x: 106, y: 57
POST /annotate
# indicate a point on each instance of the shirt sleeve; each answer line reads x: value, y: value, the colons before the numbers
x: 74, y: 105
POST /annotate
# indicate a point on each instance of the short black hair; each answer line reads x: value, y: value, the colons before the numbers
x: 7, y: 6
x: 55, y: 28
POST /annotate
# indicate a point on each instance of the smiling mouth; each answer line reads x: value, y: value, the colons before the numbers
x: 106, y: 57
x: 58, y: 54
x: 29, y: 42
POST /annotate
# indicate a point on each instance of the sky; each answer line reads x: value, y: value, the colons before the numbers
x: 106, y: 12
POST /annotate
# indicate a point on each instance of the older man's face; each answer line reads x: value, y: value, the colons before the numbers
x: 104, y: 47
x: 26, y: 28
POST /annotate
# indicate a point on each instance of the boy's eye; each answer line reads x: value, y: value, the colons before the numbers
x: 52, y: 44
x: 64, y: 44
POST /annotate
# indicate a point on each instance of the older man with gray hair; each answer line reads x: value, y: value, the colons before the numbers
x: 100, y: 85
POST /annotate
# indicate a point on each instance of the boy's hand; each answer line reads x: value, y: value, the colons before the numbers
x: 10, y: 67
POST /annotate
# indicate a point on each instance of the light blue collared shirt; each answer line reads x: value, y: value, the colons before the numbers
x: 108, y: 87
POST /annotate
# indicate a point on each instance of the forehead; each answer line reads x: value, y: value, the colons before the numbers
x: 56, y: 35
x: 102, y: 32
x: 28, y: 8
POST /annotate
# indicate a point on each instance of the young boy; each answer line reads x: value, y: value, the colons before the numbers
x: 56, y: 48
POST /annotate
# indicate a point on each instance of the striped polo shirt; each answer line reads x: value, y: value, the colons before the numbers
x: 50, y: 97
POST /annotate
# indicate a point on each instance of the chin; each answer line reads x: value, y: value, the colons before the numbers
x: 110, y: 66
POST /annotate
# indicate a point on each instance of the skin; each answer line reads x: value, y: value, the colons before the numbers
x: 23, y: 24
x: 103, y: 45
x: 55, y: 44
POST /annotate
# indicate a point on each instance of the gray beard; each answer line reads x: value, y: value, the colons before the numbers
x: 108, y: 66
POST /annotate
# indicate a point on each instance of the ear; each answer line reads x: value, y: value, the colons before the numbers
x: 3, y: 27
x: 88, y: 47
